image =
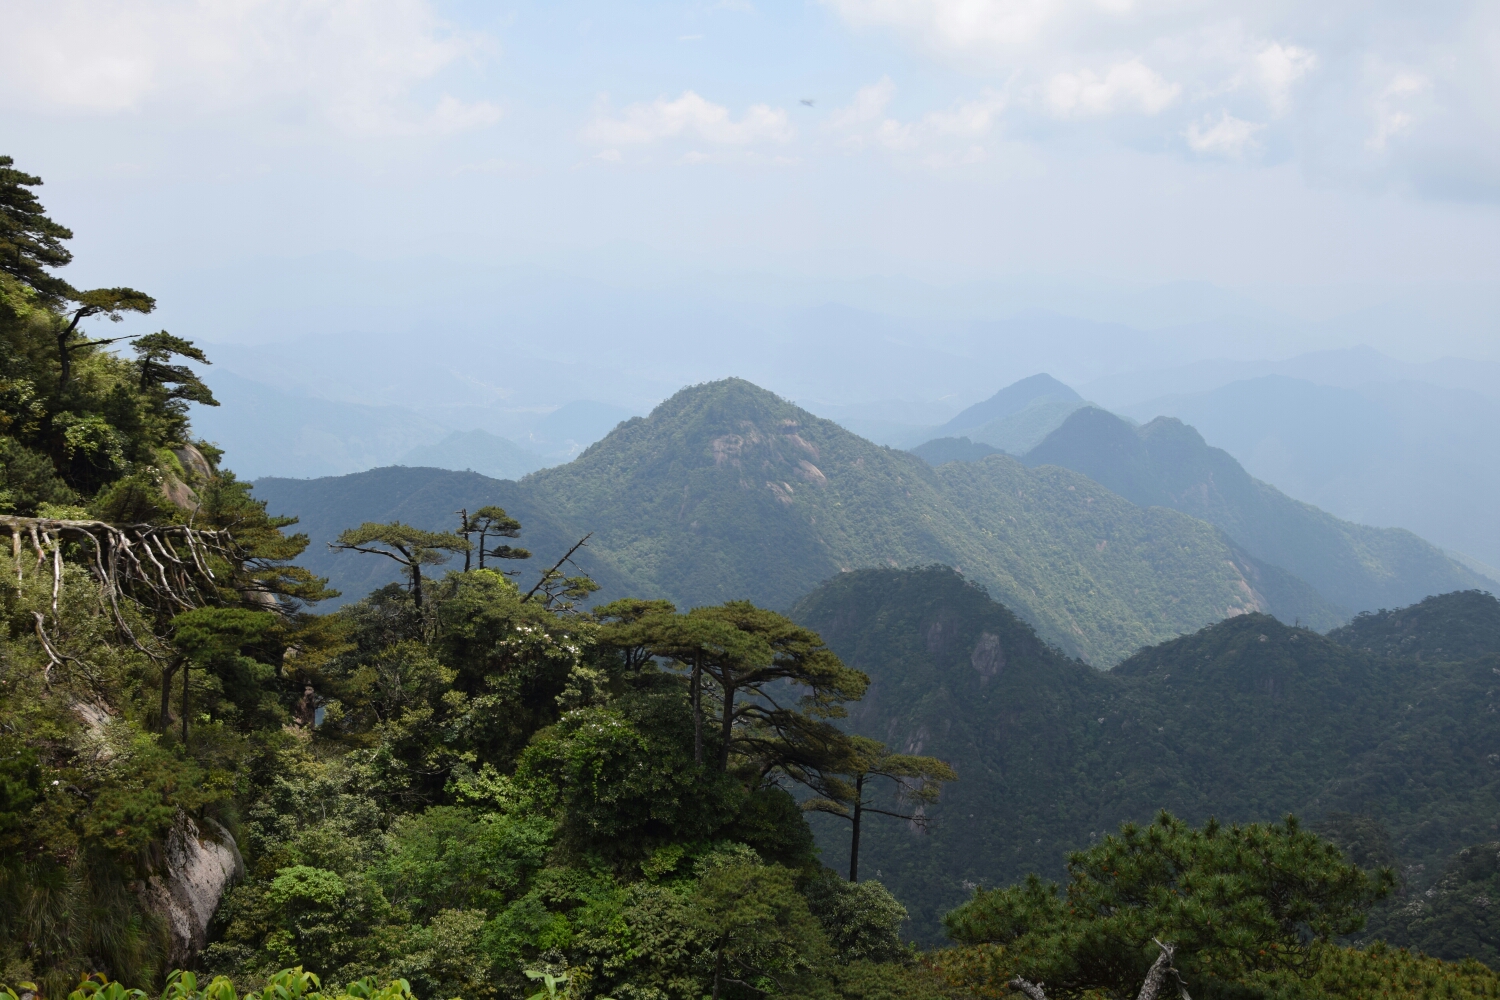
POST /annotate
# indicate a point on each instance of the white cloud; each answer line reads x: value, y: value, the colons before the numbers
x: 1227, y: 136
x: 689, y: 115
x: 453, y: 115
x: 869, y: 104
x: 865, y: 123
x: 957, y: 24
x: 351, y: 63
x: 1125, y: 87
x: 1279, y: 67
x: 1394, y: 113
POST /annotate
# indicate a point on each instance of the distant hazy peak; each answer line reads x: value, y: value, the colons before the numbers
x: 1012, y: 399
x: 941, y: 451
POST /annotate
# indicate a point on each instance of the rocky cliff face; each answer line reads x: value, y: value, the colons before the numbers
x: 199, y: 869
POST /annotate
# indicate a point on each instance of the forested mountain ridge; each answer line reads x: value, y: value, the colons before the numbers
x: 728, y: 491
x: 1454, y: 626
x: 1245, y: 718
x: 1167, y: 463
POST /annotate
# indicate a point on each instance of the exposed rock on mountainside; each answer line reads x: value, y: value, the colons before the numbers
x: 187, y: 891
x: 1167, y: 463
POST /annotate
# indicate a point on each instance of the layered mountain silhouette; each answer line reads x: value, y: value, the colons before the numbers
x: 1167, y: 463
x: 1015, y: 418
x: 478, y: 451
x: 941, y: 451
x: 727, y: 491
x: 1245, y: 720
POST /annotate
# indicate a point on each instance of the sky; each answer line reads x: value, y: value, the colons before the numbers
x: 1293, y: 176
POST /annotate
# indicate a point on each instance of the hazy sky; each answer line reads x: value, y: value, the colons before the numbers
x: 1322, y: 158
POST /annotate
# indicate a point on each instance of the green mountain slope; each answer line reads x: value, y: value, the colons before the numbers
x: 727, y: 491
x: 1454, y: 918
x: 1167, y: 463
x: 1453, y: 626
x: 1246, y: 719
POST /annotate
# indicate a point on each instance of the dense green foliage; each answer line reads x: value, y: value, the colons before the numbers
x: 1455, y: 626
x: 1167, y: 463
x: 96, y: 769
x: 726, y: 491
x: 1456, y: 916
x: 499, y: 787
x: 1228, y: 901
x: 1246, y: 719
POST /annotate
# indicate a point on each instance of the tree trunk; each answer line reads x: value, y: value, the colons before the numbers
x: 185, y: 666
x: 64, y: 360
x: 482, y: 537
x: 859, y: 805
x: 727, y: 727
x: 696, y: 694
x: 416, y: 584
x: 1033, y: 991
x: 464, y: 513
x: 718, y: 969
x: 167, y: 672
x: 1157, y: 976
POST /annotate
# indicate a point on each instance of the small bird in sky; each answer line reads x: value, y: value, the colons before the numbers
x: 809, y: 101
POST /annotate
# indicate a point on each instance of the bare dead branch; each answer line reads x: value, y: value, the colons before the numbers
x: 552, y: 573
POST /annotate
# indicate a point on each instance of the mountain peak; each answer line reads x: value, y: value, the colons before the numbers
x: 1008, y: 401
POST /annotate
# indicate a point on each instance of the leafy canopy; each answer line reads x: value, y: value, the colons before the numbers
x: 1232, y: 901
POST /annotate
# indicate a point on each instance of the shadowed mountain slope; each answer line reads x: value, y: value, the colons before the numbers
x: 1167, y: 463
x: 1247, y: 719
x: 727, y: 491
x: 1454, y: 626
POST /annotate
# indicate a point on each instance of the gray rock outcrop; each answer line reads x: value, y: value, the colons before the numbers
x: 186, y: 892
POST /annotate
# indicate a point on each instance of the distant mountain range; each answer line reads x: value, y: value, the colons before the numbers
x: 1013, y: 420
x: 727, y: 491
x: 477, y: 451
x: 1167, y: 463
x: 1398, y: 452
x: 1247, y: 719
x: 292, y: 433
